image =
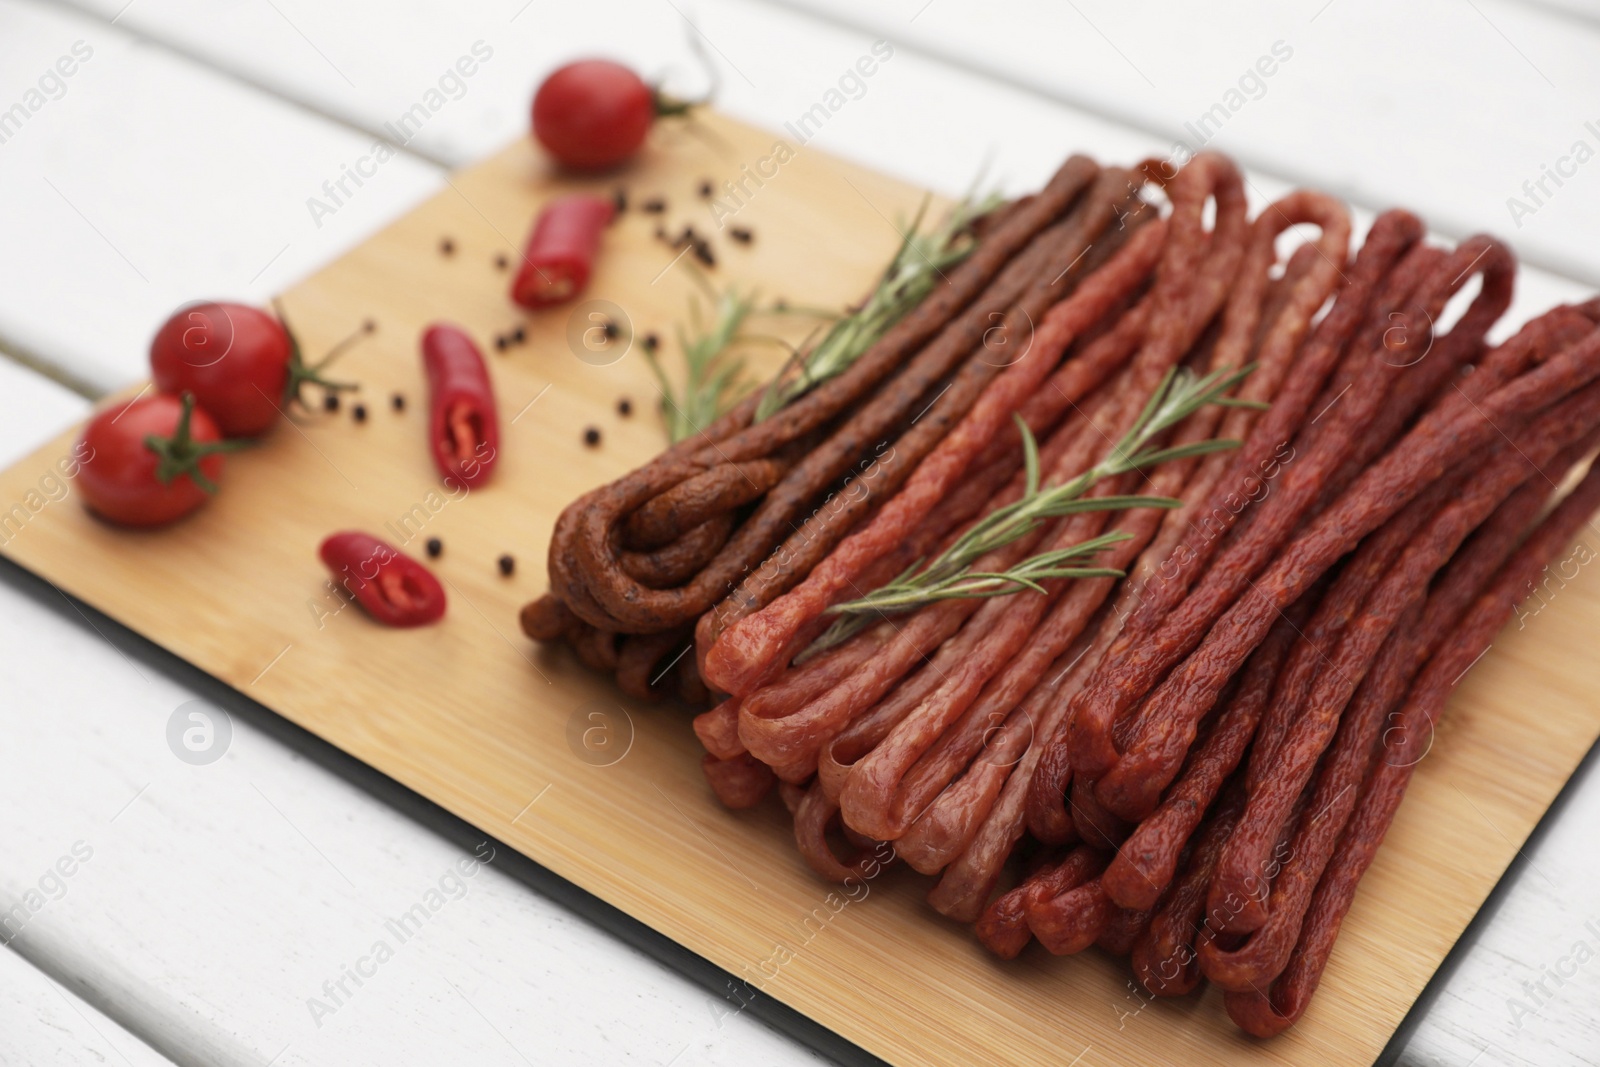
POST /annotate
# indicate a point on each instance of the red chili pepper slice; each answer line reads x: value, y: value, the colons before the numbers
x: 561, y: 250
x: 463, y: 428
x: 395, y: 589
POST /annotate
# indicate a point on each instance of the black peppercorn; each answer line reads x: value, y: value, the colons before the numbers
x: 507, y: 565
x: 398, y: 402
x: 447, y: 247
x: 330, y: 402
x: 434, y: 546
x: 624, y: 407
x: 591, y: 436
x: 359, y: 412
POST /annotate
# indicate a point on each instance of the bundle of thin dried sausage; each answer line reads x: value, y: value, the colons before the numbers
x: 1189, y: 756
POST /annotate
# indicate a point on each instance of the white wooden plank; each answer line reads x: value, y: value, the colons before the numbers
x: 44, y: 1023
x: 143, y: 181
x: 1453, y: 104
x: 32, y: 409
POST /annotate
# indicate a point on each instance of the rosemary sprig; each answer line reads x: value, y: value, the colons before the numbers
x: 949, y: 575
x: 910, y: 275
x: 714, y: 377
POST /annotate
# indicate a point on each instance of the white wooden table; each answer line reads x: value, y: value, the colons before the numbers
x: 207, y: 904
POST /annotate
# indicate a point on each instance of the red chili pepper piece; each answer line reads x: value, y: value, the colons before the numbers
x: 395, y: 589
x: 463, y: 428
x: 561, y: 250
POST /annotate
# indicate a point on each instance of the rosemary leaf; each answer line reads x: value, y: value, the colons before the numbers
x: 917, y: 264
x: 949, y: 575
x: 713, y: 376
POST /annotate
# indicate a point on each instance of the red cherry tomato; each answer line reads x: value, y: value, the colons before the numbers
x: 395, y: 589
x: 243, y: 366
x: 560, y: 253
x: 234, y: 359
x: 150, y: 461
x: 595, y: 113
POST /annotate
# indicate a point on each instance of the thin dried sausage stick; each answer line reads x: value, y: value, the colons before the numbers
x: 1124, y: 931
x: 1070, y: 922
x: 675, y: 563
x: 689, y: 503
x: 742, y: 782
x: 1165, y: 959
x: 1003, y: 927
x: 813, y: 817
x: 639, y: 656
x: 1286, y: 1001
x: 964, y: 888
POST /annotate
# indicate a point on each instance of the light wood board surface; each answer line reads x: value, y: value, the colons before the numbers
x: 471, y: 716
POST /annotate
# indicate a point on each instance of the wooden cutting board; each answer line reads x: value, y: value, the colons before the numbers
x: 607, y: 792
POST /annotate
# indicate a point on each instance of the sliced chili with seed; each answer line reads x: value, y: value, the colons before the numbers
x: 463, y: 426
x: 561, y: 250
x: 394, y: 589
